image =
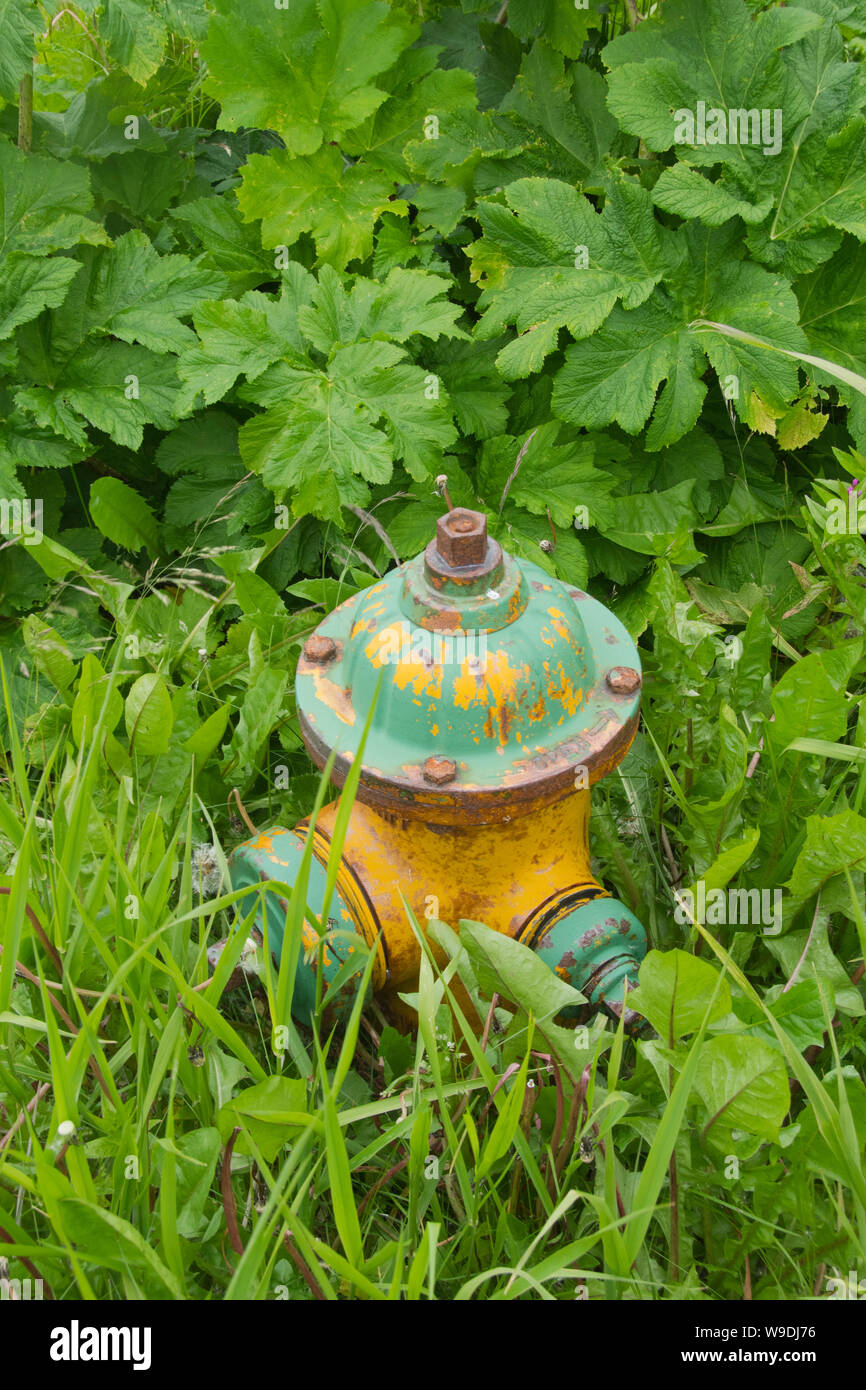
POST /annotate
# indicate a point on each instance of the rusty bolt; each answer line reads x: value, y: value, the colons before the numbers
x: 461, y: 537
x: 623, y: 680
x: 320, y: 649
x: 440, y: 771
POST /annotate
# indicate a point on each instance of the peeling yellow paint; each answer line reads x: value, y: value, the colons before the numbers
x: 335, y: 697
x: 425, y: 680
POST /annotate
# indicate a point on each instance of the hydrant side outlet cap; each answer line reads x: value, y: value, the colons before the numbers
x: 481, y: 661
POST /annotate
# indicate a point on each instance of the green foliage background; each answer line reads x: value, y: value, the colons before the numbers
x: 266, y: 273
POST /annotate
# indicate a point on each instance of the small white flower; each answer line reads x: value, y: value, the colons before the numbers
x: 206, y: 871
x: 65, y: 1129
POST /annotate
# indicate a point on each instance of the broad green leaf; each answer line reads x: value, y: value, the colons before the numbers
x: 567, y: 102
x: 205, y: 740
x: 326, y: 431
x: 306, y: 71
x: 728, y: 864
x: 123, y: 516
x: 809, y: 701
x: 465, y: 140
x: 799, y: 1010
x: 615, y: 375
x: 108, y: 1239
x: 142, y: 183
x: 553, y: 476
x: 149, y: 716
x: 202, y: 446
x: 196, y: 1154
x: 140, y: 296
x: 505, y: 967
x: 28, y: 285
x: 674, y: 993
x: 687, y: 193
x: 828, y: 185
x: 407, y: 115
x: 243, y: 337
x: 657, y: 523
x: 258, y: 714
x: 96, y: 123
x: 743, y: 1084
x: 408, y: 302
x: 670, y: 61
x: 807, y: 955
x: 833, y: 315
x: 50, y: 652
x: 337, y: 204
x: 43, y: 204
x: 550, y: 261
x: 271, y: 1112
x: 136, y: 37
x: 564, y: 26
x: 833, y: 845
x: 230, y: 245
x: 117, y: 387
x: 20, y: 23
x: 95, y: 690
x: 474, y: 387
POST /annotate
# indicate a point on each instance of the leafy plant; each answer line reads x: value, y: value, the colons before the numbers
x: 267, y: 273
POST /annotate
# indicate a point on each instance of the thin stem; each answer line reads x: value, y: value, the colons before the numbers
x: 25, y: 113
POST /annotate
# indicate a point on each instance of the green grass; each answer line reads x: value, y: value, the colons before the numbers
x: 530, y: 1163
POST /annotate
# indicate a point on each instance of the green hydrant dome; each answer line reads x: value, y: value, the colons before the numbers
x: 496, y: 683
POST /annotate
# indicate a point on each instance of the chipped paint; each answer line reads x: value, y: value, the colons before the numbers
x: 334, y: 697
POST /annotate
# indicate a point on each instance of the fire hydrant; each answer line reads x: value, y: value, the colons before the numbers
x: 503, y: 695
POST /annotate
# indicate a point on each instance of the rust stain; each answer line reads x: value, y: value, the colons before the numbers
x: 504, y: 722
x: 516, y: 604
x: 444, y: 620
x: 538, y: 710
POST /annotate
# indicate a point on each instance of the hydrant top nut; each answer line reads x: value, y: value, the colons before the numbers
x: 320, y: 649
x: 440, y: 771
x: 623, y: 680
x: 461, y: 537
